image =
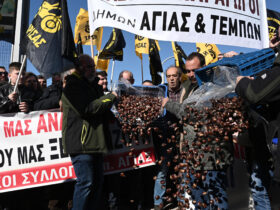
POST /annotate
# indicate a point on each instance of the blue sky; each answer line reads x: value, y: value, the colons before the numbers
x: 131, y: 61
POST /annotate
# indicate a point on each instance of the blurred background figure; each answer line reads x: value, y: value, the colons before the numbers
x: 31, y: 89
x: 52, y: 94
x: 56, y: 78
x: 3, y: 76
x: 102, y: 75
x: 147, y: 83
x: 42, y: 81
x: 126, y: 76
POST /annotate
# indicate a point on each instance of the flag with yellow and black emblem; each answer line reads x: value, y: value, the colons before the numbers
x: 141, y: 45
x: 82, y: 28
x: 209, y: 51
x: 101, y: 64
x: 273, y: 21
x: 114, y: 47
x: 48, y: 42
x: 155, y: 62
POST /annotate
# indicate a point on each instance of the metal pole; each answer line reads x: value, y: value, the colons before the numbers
x: 22, y: 16
x: 142, y: 69
x: 112, y: 73
x: 162, y: 74
x: 91, y: 48
x: 20, y: 72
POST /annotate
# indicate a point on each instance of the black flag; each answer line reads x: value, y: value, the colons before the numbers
x: 80, y: 45
x: 7, y: 20
x: 179, y: 54
x: 48, y: 42
x: 273, y: 20
x: 155, y: 62
x: 114, y: 47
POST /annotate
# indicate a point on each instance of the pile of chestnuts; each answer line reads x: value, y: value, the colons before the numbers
x: 136, y: 113
x: 206, y: 144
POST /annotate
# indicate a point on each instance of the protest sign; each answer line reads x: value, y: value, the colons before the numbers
x: 31, y: 152
x: 243, y: 22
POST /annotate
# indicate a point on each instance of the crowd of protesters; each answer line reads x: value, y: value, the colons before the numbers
x: 82, y: 94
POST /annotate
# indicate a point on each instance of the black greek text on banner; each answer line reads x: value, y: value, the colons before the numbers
x: 243, y: 22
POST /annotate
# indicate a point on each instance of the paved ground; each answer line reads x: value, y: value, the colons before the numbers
x: 239, y: 195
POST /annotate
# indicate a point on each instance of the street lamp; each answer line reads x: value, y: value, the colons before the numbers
x: 162, y: 74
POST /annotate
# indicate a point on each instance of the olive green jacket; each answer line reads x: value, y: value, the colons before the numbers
x: 85, y: 111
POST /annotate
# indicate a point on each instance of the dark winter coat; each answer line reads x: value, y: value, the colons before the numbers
x: 263, y: 96
x: 50, y: 98
x: 25, y: 94
x: 85, y: 110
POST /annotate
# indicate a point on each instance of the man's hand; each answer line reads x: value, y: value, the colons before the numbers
x: 235, y: 137
x: 23, y: 107
x: 164, y: 101
x: 274, y: 41
x: 241, y: 77
x: 230, y: 54
x: 13, y: 96
x: 114, y: 93
x: 60, y: 106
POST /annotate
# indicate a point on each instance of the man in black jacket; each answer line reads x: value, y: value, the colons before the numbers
x: 50, y: 97
x: 10, y: 101
x: 264, y: 90
x: 84, y: 131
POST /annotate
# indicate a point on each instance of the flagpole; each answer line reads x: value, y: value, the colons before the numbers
x: 20, y: 72
x: 112, y: 73
x: 142, y: 69
x: 91, y: 47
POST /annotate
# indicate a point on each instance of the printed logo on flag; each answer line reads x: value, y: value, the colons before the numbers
x: 51, y: 22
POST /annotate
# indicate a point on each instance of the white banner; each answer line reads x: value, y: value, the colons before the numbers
x: 31, y: 152
x: 229, y: 22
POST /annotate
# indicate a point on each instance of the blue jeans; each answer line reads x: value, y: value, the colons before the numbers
x: 260, y: 178
x: 212, y: 189
x: 88, y: 188
x: 160, y: 183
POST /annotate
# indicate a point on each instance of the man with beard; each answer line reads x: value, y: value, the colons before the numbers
x: 84, y: 133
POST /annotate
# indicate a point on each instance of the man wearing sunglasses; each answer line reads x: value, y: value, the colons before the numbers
x: 3, y: 76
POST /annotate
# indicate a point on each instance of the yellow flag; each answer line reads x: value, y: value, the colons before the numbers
x: 82, y: 27
x: 209, y: 51
x: 101, y: 64
x: 142, y: 45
